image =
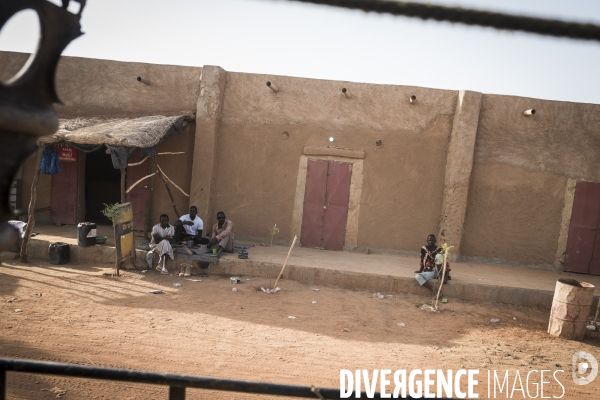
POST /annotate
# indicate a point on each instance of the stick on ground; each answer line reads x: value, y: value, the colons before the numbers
x: 286, y: 260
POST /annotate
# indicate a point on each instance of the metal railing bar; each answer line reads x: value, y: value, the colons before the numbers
x: 2, y: 384
x: 502, y: 21
x: 172, y: 380
x: 176, y: 393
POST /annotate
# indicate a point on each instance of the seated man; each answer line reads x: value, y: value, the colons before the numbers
x: 162, y: 235
x: 189, y: 226
x: 222, y: 235
x: 431, y: 263
x: 21, y: 227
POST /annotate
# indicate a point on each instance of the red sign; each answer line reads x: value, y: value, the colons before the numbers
x: 66, y: 153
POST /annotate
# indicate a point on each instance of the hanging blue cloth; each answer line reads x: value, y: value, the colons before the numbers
x: 50, y: 162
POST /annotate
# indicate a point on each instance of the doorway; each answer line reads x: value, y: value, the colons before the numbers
x: 65, y: 189
x: 583, y: 244
x: 102, y: 186
x: 326, y: 199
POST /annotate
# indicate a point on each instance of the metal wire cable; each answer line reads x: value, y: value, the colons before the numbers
x: 496, y: 20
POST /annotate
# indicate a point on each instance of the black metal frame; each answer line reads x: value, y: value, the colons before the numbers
x: 177, y: 383
x: 502, y: 21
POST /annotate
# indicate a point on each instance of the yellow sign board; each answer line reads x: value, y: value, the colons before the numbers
x: 124, y: 233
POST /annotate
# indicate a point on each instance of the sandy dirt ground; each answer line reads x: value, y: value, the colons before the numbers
x: 204, y: 328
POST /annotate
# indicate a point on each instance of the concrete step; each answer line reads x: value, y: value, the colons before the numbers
x: 230, y: 265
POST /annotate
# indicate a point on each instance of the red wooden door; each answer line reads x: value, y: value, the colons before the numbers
x: 138, y: 196
x: 336, y: 211
x: 326, y: 204
x: 63, y: 202
x: 583, y: 244
x: 314, y: 200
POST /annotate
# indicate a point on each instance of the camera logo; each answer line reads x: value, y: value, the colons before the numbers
x: 590, y: 365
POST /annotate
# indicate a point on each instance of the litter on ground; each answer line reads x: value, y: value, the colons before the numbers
x: 267, y: 290
x: 57, y: 391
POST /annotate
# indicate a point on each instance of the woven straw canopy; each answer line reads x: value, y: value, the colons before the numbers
x: 143, y: 132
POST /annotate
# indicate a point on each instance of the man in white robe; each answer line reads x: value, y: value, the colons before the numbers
x: 160, y: 245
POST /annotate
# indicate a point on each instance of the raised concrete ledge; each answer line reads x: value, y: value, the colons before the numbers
x: 333, y: 151
x: 229, y: 265
x: 388, y: 284
x: 38, y: 249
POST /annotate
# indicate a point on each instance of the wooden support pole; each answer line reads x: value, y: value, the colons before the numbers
x: 146, y: 177
x: 117, y: 261
x: 148, y: 209
x: 170, y: 181
x: 167, y: 186
x: 31, y: 211
x: 123, y: 200
x: 158, y: 154
x: 123, y: 182
x: 597, y: 312
x: 137, y: 163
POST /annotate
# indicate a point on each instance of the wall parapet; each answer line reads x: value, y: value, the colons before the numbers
x: 333, y: 152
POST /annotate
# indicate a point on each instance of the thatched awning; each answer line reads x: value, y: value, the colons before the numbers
x: 143, y: 132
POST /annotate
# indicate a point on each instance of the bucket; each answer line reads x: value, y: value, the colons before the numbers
x: 59, y: 253
x: 570, y: 309
x: 86, y: 234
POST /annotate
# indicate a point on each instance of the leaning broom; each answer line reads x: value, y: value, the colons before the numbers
x: 442, y: 271
x: 440, y: 259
